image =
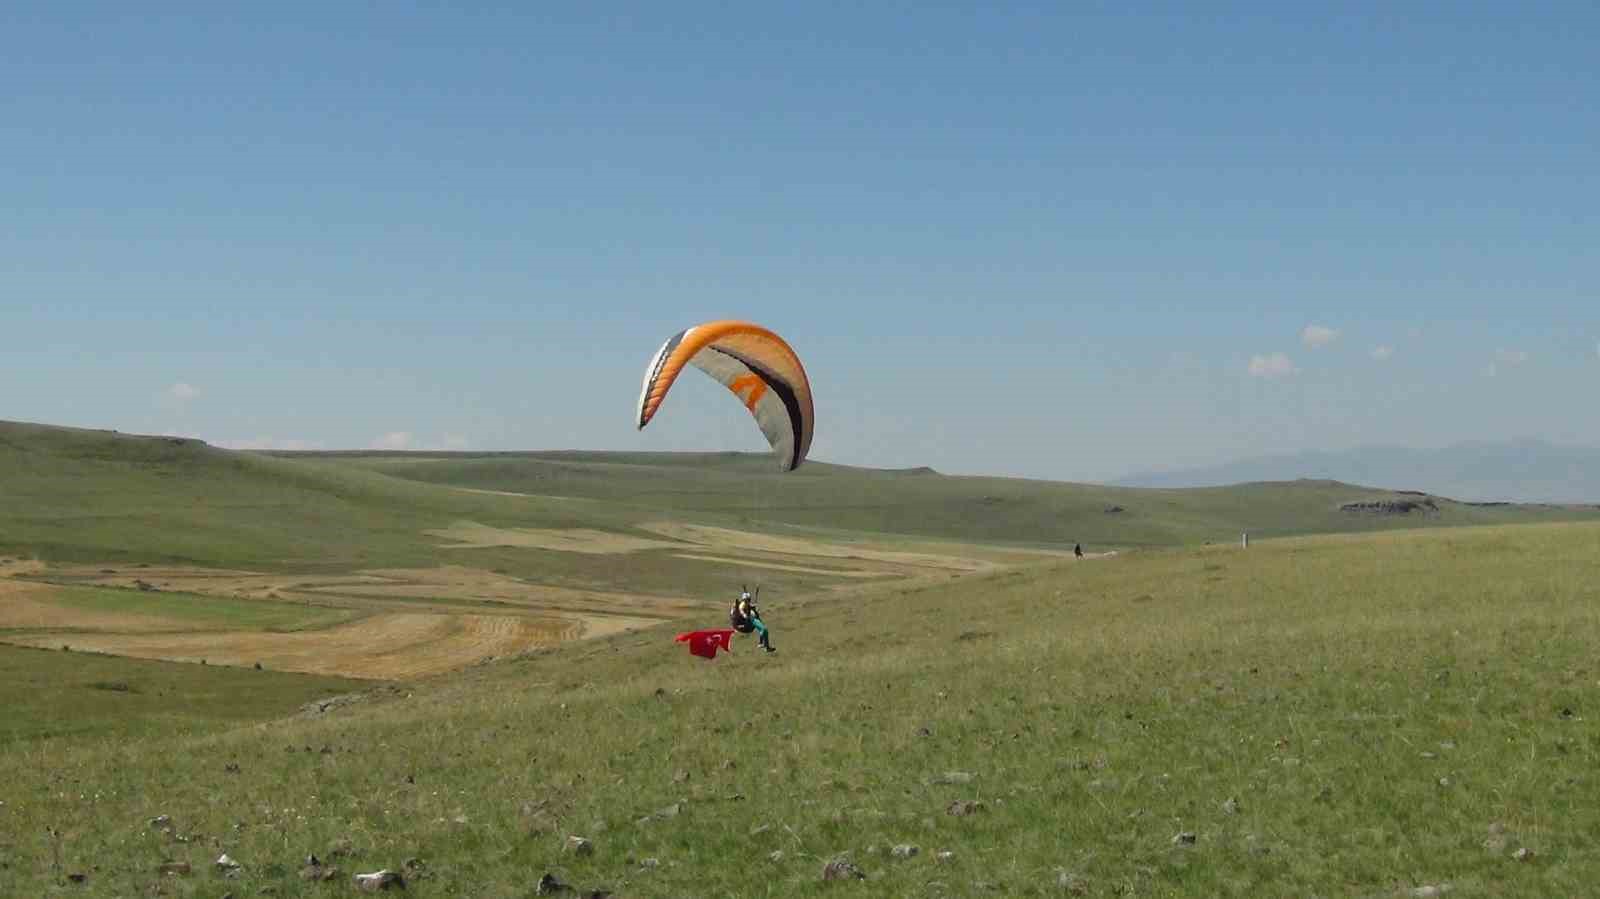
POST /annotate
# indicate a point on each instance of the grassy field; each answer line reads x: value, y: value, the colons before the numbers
x: 1348, y: 715
x: 54, y: 699
x: 1386, y: 713
x: 924, y: 503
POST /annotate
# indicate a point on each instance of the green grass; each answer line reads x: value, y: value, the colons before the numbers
x: 1372, y: 704
x: 920, y: 502
x: 98, y: 497
x: 53, y: 699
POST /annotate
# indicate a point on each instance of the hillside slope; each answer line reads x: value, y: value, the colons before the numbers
x: 924, y: 503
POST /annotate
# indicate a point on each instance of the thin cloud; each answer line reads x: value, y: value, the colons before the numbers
x: 394, y: 440
x: 176, y: 398
x: 1507, y: 358
x: 406, y: 440
x: 270, y: 443
x: 1318, y: 336
x: 1382, y: 352
x: 1272, y: 365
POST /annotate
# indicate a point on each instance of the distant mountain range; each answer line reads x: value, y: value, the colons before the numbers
x: 1517, y: 471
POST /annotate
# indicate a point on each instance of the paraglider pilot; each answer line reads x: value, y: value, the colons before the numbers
x: 745, y: 617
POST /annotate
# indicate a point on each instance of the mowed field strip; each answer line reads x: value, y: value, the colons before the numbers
x: 397, y: 623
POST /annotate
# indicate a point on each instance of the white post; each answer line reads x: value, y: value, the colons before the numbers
x: 1245, y: 540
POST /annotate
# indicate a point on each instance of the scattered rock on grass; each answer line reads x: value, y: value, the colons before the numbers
x: 226, y: 866
x: 1186, y: 838
x: 961, y: 808
x: 379, y: 880
x: 944, y: 856
x: 1430, y: 891
x: 905, y: 850
x: 174, y: 869
x: 314, y: 869
x: 1523, y: 855
x: 842, y: 869
x: 1230, y: 806
x: 1073, y: 884
x: 955, y: 777
x: 550, y: 885
x: 579, y: 846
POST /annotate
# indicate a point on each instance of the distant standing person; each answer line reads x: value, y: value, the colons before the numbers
x: 1077, y: 550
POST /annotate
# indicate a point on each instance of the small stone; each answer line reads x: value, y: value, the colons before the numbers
x: 162, y: 823
x: 174, y: 869
x: 944, y: 856
x: 549, y: 886
x: 905, y: 850
x: 1444, y: 781
x: 379, y: 880
x: 319, y: 872
x: 670, y: 811
x: 649, y: 863
x: 1071, y: 883
x: 842, y: 869
x: 1230, y: 806
x: 955, y: 777
x: 1186, y: 838
x: 1430, y: 891
x: 1523, y: 855
x: 679, y: 777
x: 776, y: 856
x: 226, y: 863
x: 961, y: 808
x: 579, y: 846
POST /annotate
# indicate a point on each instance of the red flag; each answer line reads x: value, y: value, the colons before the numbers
x: 706, y: 643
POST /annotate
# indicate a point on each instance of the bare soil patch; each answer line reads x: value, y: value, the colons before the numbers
x: 781, y: 566
x: 469, y: 535
x: 391, y: 646
x: 727, y: 538
x: 29, y: 606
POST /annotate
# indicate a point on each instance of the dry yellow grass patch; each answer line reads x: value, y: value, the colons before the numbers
x: 15, y: 567
x: 391, y: 646
x: 28, y: 605
x: 469, y: 535
x: 781, y: 566
x: 727, y: 538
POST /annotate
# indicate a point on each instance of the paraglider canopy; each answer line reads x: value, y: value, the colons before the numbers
x: 757, y: 365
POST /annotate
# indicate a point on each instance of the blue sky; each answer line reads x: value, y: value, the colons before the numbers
x: 1058, y: 240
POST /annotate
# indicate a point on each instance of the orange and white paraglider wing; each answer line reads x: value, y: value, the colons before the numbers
x: 758, y: 366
